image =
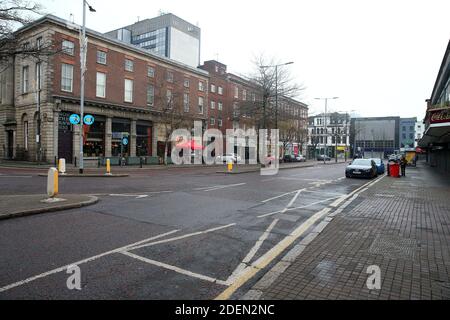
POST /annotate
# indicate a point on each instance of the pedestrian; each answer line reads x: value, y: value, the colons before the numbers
x: 403, y: 165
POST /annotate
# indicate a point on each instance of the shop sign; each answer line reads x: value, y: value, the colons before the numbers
x: 440, y: 116
x: 88, y: 119
x: 74, y: 119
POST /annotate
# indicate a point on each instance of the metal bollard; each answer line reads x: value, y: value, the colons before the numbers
x: 52, y: 182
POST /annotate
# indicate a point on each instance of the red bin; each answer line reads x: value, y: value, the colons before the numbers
x: 394, y: 169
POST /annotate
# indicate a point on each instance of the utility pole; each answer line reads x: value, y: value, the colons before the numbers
x: 83, y: 54
x: 38, y: 131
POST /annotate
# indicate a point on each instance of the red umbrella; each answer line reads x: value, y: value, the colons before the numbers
x: 189, y: 145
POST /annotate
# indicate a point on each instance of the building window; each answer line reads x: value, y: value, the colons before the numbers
x: 253, y: 97
x: 186, y: 102
x: 129, y: 65
x: 200, y: 105
x: 169, y: 76
x: 25, y: 135
x: 213, y: 88
x: 244, y: 95
x: 101, y: 85
x: 25, y: 79
x: 66, y: 77
x: 219, y: 122
x: 213, y: 104
x: 212, y: 121
x: 219, y: 106
x: 150, y: 95
x: 38, y: 76
x: 39, y: 43
x: 201, y: 86
x: 236, y: 92
x: 220, y: 90
x: 151, y: 72
x: 68, y: 47
x: 101, y: 57
x: 169, y: 98
x: 186, y: 83
x: 128, y: 97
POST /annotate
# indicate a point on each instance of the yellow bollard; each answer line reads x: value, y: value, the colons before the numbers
x: 62, y: 166
x: 108, y: 167
x: 230, y: 165
x: 52, y: 182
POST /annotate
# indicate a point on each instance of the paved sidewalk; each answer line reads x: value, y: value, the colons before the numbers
x: 12, y: 206
x: 401, y: 225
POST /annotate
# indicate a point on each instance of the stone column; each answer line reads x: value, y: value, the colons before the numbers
x: 108, y: 136
x: 133, y: 139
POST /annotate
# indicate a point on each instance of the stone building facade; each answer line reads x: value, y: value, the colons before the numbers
x: 125, y: 90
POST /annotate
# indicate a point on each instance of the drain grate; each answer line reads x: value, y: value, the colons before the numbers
x: 394, y: 247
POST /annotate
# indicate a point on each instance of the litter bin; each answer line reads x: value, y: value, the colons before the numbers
x: 394, y: 170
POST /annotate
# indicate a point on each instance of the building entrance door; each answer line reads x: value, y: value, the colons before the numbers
x: 10, y: 146
x: 65, y: 137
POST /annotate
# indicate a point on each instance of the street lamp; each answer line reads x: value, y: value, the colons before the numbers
x: 276, y: 87
x: 325, y: 118
x: 83, y: 52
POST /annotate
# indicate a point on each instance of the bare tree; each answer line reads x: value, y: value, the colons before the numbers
x: 13, y: 14
x: 269, y: 85
x: 173, y: 109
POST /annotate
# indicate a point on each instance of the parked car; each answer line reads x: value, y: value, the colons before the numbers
x: 323, y: 157
x: 365, y: 168
x: 227, y: 157
x: 301, y: 158
x: 289, y: 158
x: 380, y: 165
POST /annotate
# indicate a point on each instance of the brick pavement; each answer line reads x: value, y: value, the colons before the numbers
x: 401, y: 225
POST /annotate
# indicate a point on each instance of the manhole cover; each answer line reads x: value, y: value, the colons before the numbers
x: 393, y: 247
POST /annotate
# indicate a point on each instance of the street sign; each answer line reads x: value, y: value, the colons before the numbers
x: 88, y: 119
x: 74, y: 118
x: 125, y: 141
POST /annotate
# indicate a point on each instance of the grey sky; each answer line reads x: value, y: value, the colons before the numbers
x: 380, y: 57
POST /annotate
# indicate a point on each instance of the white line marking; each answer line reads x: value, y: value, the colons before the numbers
x: 137, y: 196
x: 251, y: 253
x: 281, y: 195
x: 60, y: 269
x: 130, y: 194
x: 173, y: 268
x: 331, y: 193
x: 181, y: 237
x: 226, y: 186
x: 296, y: 208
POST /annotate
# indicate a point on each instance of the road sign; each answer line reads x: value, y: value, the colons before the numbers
x: 74, y: 119
x: 88, y: 119
x: 124, y: 141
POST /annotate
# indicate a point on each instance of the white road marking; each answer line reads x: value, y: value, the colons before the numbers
x: 251, y: 253
x: 130, y: 194
x: 321, y: 192
x: 137, y: 196
x: 173, y: 268
x: 223, y: 187
x: 297, y: 208
x: 60, y: 269
x: 281, y: 195
x: 182, y: 237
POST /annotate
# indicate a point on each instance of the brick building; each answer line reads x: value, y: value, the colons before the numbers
x: 125, y: 88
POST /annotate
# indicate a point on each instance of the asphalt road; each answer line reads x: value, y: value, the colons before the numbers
x: 158, y: 234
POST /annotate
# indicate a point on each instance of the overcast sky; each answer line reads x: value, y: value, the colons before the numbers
x: 380, y: 57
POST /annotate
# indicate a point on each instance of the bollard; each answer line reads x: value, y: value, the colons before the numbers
x: 108, y: 167
x: 62, y: 166
x: 230, y: 165
x: 52, y: 182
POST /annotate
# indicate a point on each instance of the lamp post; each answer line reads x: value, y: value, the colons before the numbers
x: 325, y: 118
x: 83, y: 51
x: 276, y: 87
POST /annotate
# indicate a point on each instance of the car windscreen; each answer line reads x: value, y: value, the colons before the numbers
x: 362, y: 162
x: 377, y: 161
